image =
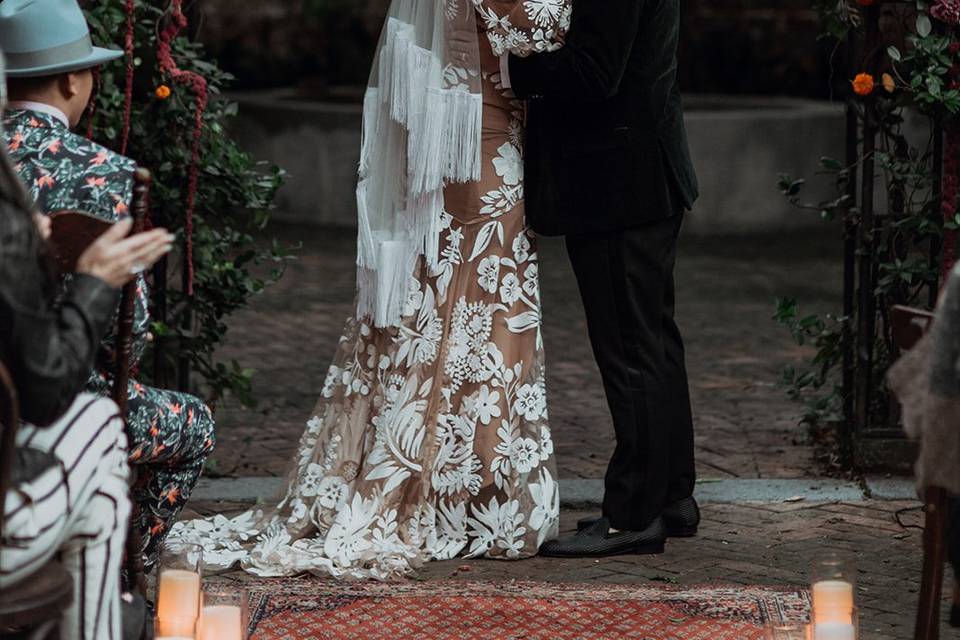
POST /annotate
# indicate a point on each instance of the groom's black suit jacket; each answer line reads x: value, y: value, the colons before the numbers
x: 606, y: 146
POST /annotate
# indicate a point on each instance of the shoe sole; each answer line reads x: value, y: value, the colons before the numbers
x: 639, y: 550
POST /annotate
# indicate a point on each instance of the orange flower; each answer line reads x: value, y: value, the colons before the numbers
x: 162, y: 92
x: 863, y: 84
x: 45, y: 181
x: 889, y: 85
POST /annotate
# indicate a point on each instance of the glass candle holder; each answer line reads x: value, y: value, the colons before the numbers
x: 224, y: 615
x: 178, y: 590
x: 834, y: 625
x: 786, y: 631
x: 833, y: 589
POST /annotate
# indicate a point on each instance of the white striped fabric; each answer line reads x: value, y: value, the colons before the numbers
x: 77, y: 510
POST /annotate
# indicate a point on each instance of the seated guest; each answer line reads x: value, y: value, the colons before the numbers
x: 926, y: 380
x: 77, y: 507
x: 51, y: 82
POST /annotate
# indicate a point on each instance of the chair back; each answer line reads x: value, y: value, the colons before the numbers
x: 9, y: 421
x: 72, y: 232
x: 909, y: 324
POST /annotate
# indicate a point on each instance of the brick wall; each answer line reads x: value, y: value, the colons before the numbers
x: 728, y: 46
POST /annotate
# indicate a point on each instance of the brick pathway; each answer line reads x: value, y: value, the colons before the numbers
x: 726, y: 288
x: 745, y: 426
x: 747, y: 544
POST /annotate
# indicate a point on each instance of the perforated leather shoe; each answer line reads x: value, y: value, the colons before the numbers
x: 682, y: 518
x: 597, y: 541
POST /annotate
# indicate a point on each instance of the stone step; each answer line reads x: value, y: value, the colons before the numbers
x: 588, y: 493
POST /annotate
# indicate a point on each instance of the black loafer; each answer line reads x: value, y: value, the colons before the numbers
x: 596, y: 541
x: 682, y: 518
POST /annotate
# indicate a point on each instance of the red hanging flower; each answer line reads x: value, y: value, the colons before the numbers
x: 198, y: 84
x: 946, y: 10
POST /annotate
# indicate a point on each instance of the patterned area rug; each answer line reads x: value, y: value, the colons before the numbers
x: 308, y: 609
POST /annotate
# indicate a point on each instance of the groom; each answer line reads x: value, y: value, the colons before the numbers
x: 607, y: 166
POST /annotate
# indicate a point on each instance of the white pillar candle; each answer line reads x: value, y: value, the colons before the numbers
x: 833, y: 601
x: 221, y: 622
x: 178, y: 603
x: 834, y: 631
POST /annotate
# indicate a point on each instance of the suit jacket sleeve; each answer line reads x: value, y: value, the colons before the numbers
x: 591, y: 64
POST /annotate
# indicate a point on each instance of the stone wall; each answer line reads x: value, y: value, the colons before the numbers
x: 728, y: 46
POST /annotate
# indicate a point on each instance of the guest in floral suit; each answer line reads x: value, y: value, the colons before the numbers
x: 171, y: 433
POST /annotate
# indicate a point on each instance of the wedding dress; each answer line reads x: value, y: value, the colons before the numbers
x: 430, y: 439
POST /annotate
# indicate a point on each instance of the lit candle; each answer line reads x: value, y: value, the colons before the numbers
x: 833, y: 601
x: 178, y: 603
x: 834, y: 631
x: 221, y: 622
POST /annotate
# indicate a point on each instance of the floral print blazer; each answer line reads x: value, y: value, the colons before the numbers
x: 65, y: 171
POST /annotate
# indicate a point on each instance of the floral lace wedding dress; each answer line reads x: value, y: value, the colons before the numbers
x: 431, y: 441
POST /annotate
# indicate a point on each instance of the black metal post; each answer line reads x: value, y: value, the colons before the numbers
x: 866, y: 301
x: 849, y: 259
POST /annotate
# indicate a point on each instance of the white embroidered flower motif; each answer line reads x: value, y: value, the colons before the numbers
x: 489, y: 273
x: 414, y: 297
x: 510, y: 289
x: 332, y: 492
x: 530, y: 402
x: 531, y: 281
x: 349, y: 536
x: 333, y: 377
x: 544, y: 12
x: 310, y: 480
x: 509, y: 164
x: 546, y: 514
x: 521, y: 248
x: 524, y: 455
x: 546, y: 443
x: 487, y: 404
x: 469, y: 353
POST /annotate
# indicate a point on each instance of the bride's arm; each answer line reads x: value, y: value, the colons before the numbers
x: 592, y: 61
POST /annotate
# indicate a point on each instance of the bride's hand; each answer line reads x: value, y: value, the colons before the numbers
x: 463, y: 44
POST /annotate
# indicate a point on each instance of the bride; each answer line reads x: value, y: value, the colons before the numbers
x: 430, y: 439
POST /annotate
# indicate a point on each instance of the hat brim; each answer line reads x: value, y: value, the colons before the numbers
x: 97, y: 57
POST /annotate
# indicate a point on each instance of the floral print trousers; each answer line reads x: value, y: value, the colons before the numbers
x: 171, y: 435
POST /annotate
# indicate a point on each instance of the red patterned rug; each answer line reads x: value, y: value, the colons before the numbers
x: 309, y: 609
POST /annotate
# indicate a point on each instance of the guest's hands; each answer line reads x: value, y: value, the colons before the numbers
x: 116, y: 258
x: 44, y: 226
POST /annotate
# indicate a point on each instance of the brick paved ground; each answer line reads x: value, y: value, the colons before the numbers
x: 726, y: 290
x: 745, y: 426
x: 748, y: 544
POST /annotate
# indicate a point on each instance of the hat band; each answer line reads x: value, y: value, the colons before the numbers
x: 65, y: 53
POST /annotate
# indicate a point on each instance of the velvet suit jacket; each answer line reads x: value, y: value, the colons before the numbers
x: 606, y: 146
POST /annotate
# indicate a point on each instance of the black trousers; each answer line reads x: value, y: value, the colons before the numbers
x: 626, y: 282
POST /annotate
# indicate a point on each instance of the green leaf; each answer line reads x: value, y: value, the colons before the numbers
x: 924, y: 27
x: 894, y: 53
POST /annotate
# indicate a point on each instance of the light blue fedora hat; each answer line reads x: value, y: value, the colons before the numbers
x: 47, y: 37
